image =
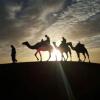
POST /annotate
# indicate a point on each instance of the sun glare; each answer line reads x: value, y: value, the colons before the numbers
x: 56, y: 55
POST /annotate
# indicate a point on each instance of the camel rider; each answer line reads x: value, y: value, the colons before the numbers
x: 47, y: 41
x: 42, y: 42
x: 63, y: 40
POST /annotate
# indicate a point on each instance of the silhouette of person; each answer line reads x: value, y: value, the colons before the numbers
x: 42, y: 40
x: 64, y: 40
x: 47, y: 41
x: 13, y: 54
x: 79, y: 42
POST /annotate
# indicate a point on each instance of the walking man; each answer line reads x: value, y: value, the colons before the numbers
x: 13, y: 54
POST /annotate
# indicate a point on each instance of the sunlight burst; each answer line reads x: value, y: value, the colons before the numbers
x: 56, y: 55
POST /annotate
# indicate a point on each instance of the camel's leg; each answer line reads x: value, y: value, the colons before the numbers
x: 88, y: 55
x: 40, y: 56
x: 63, y: 57
x: 78, y: 55
x: 89, y: 59
x: 70, y: 55
x: 66, y: 55
x: 49, y: 55
x: 84, y: 57
x: 36, y: 55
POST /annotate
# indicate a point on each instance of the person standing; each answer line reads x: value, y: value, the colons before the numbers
x: 13, y: 54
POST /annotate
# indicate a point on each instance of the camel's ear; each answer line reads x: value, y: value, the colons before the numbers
x: 22, y: 43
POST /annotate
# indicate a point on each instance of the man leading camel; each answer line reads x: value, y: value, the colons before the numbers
x: 13, y: 54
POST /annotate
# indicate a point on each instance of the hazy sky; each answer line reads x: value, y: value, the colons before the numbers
x: 30, y: 20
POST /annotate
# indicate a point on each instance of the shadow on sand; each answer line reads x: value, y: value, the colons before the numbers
x: 48, y: 81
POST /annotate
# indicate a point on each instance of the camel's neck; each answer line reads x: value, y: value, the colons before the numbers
x: 29, y: 46
x: 70, y: 44
x: 55, y: 46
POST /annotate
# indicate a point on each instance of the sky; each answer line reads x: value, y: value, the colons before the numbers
x: 30, y: 20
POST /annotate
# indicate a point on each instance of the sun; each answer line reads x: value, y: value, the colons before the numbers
x: 56, y: 55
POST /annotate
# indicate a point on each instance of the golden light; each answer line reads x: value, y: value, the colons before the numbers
x: 56, y: 55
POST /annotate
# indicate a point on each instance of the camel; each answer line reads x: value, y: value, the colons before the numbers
x: 63, y: 48
x: 80, y: 48
x: 39, y: 47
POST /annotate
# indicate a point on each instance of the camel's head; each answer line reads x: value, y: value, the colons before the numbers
x: 69, y: 43
x: 25, y: 43
x: 54, y: 43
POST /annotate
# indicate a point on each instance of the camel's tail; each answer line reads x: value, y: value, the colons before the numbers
x: 88, y: 55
